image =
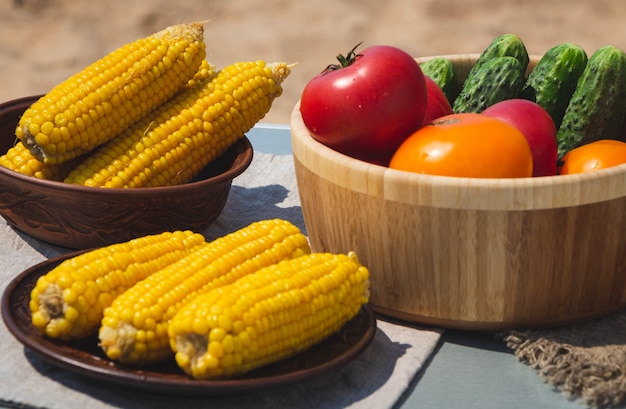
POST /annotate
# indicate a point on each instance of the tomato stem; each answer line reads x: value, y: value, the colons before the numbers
x: 344, y: 61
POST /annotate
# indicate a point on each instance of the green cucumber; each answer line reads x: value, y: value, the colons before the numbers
x: 506, y: 45
x: 596, y: 109
x: 497, y: 79
x: 441, y: 70
x: 553, y: 80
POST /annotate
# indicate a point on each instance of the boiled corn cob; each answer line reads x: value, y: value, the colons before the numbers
x: 134, y: 327
x: 268, y: 316
x: 175, y: 142
x: 19, y: 159
x: 68, y: 301
x: 94, y: 105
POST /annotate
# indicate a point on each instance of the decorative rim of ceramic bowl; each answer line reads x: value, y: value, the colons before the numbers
x: 240, y: 164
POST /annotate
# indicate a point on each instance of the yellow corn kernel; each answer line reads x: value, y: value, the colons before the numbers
x: 96, y: 104
x: 205, y: 71
x: 68, y: 301
x: 19, y: 159
x: 269, y: 315
x: 134, y: 327
x: 175, y: 142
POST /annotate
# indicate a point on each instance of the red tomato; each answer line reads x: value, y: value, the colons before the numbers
x: 438, y: 104
x: 597, y: 155
x: 466, y: 145
x: 367, y: 106
x: 538, y: 128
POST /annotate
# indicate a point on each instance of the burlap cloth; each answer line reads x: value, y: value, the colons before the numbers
x: 586, y: 361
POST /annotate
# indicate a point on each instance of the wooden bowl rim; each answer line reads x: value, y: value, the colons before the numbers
x: 532, y: 193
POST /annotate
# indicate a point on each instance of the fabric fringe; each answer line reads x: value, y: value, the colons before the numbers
x: 586, y: 361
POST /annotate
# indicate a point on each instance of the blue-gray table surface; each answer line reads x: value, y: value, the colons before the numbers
x: 467, y: 369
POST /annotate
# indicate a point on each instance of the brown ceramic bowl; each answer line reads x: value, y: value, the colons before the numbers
x: 82, y: 217
x: 470, y: 253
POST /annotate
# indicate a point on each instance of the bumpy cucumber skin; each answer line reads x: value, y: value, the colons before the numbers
x: 506, y: 45
x: 553, y: 80
x: 596, y: 109
x: 441, y: 70
x: 497, y: 79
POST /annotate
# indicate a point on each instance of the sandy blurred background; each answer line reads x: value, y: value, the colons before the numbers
x: 44, y: 41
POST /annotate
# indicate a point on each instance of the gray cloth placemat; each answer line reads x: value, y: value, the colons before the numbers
x: 586, y: 361
x: 376, y: 379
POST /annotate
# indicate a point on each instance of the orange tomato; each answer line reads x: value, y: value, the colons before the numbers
x: 466, y: 145
x: 600, y: 154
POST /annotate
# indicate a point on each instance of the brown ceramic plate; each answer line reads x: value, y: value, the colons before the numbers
x: 84, y: 357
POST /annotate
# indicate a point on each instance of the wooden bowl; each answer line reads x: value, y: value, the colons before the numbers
x: 484, y: 254
x: 83, y: 217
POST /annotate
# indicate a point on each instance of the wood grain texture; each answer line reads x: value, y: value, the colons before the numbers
x: 470, y: 253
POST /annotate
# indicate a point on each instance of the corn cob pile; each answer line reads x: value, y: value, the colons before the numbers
x: 244, y: 300
x: 239, y: 253
x: 154, y: 112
